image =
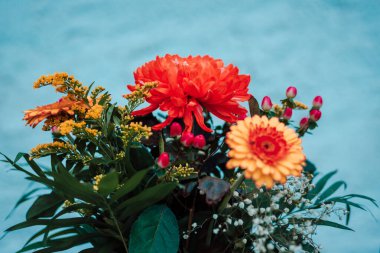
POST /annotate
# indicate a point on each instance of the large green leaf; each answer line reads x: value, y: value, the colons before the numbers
x: 331, y: 190
x: 44, y: 206
x: 155, y: 231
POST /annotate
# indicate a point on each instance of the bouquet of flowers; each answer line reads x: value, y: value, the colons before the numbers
x: 140, y: 181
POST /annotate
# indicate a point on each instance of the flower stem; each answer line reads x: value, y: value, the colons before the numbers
x: 233, y: 188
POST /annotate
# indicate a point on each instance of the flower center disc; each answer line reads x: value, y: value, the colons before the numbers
x: 269, y: 146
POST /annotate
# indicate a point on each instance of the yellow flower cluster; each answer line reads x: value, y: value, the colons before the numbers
x: 179, y: 172
x: 92, y: 132
x: 141, y: 91
x: 300, y: 105
x: 55, y: 120
x: 134, y: 132
x: 61, y: 81
x: 95, y: 112
x: 50, y: 148
x: 69, y: 125
x: 97, y: 180
x: 120, y: 155
x: 96, y: 91
x: 278, y: 109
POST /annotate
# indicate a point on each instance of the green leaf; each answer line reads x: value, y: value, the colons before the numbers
x: 23, y: 198
x: 54, y: 224
x: 44, y: 206
x: 332, y: 224
x: 130, y: 184
x: 141, y: 158
x: 108, y: 183
x: 310, y: 167
x: 155, y: 231
x: 320, y: 185
x: 331, y: 190
x: 146, y: 198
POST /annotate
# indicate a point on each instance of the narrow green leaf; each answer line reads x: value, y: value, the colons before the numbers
x: 320, y: 185
x: 332, y: 224
x: 155, y: 231
x: 146, y: 198
x: 331, y: 190
x: 130, y: 184
x: 108, y: 183
x: 141, y: 158
x: 44, y: 206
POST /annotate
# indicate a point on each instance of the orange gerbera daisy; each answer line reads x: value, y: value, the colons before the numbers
x: 267, y: 150
x: 187, y: 85
x: 64, y: 108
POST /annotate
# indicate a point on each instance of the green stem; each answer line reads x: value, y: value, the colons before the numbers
x: 233, y: 188
x: 117, y: 226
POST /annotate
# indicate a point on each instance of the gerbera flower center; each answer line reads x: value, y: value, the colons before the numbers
x: 268, y: 145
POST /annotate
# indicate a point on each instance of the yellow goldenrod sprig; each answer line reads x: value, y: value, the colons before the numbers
x: 140, y: 92
x: 95, y: 112
x: 175, y: 173
x: 97, y: 180
x: 134, y: 132
x: 52, y: 148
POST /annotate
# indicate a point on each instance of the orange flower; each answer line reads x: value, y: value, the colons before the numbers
x: 64, y: 108
x: 187, y: 85
x: 267, y: 150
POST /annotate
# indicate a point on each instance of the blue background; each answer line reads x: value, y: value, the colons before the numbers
x: 328, y: 48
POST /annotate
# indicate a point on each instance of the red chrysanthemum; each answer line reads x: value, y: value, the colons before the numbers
x: 187, y: 85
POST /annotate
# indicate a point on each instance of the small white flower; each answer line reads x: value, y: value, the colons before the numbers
x: 229, y: 221
x: 270, y: 246
x: 240, y: 222
x: 244, y: 241
x: 215, y: 216
x: 241, y: 205
x: 248, y: 201
x: 236, y: 194
x: 185, y: 237
x: 215, y: 231
x: 194, y: 224
x: 236, y: 223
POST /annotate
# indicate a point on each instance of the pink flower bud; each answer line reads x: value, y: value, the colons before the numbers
x: 266, y: 104
x: 291, y: 92
x: 175, y: 129
x: 163, y: 160
x: 199, y: 141
x: 55, y: 130
x: 315, y: 114
x: 317, y: 102
x: 287, y: 113
x: 304, y: 121
x: 187, y: 139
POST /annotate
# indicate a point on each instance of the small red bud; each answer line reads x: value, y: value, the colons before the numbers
x: 175, y: 129
x: 291, y: 92
x: 187, y: 139
x: 199, y: 141
x: 315, y: 114
x: 304, y: 121
x: 266, y: 104
x: 287, y: 113
x: 317, y: 102
x: 163, y: 160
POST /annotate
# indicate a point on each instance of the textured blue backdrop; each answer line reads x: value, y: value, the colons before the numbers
x: 329, y: 48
